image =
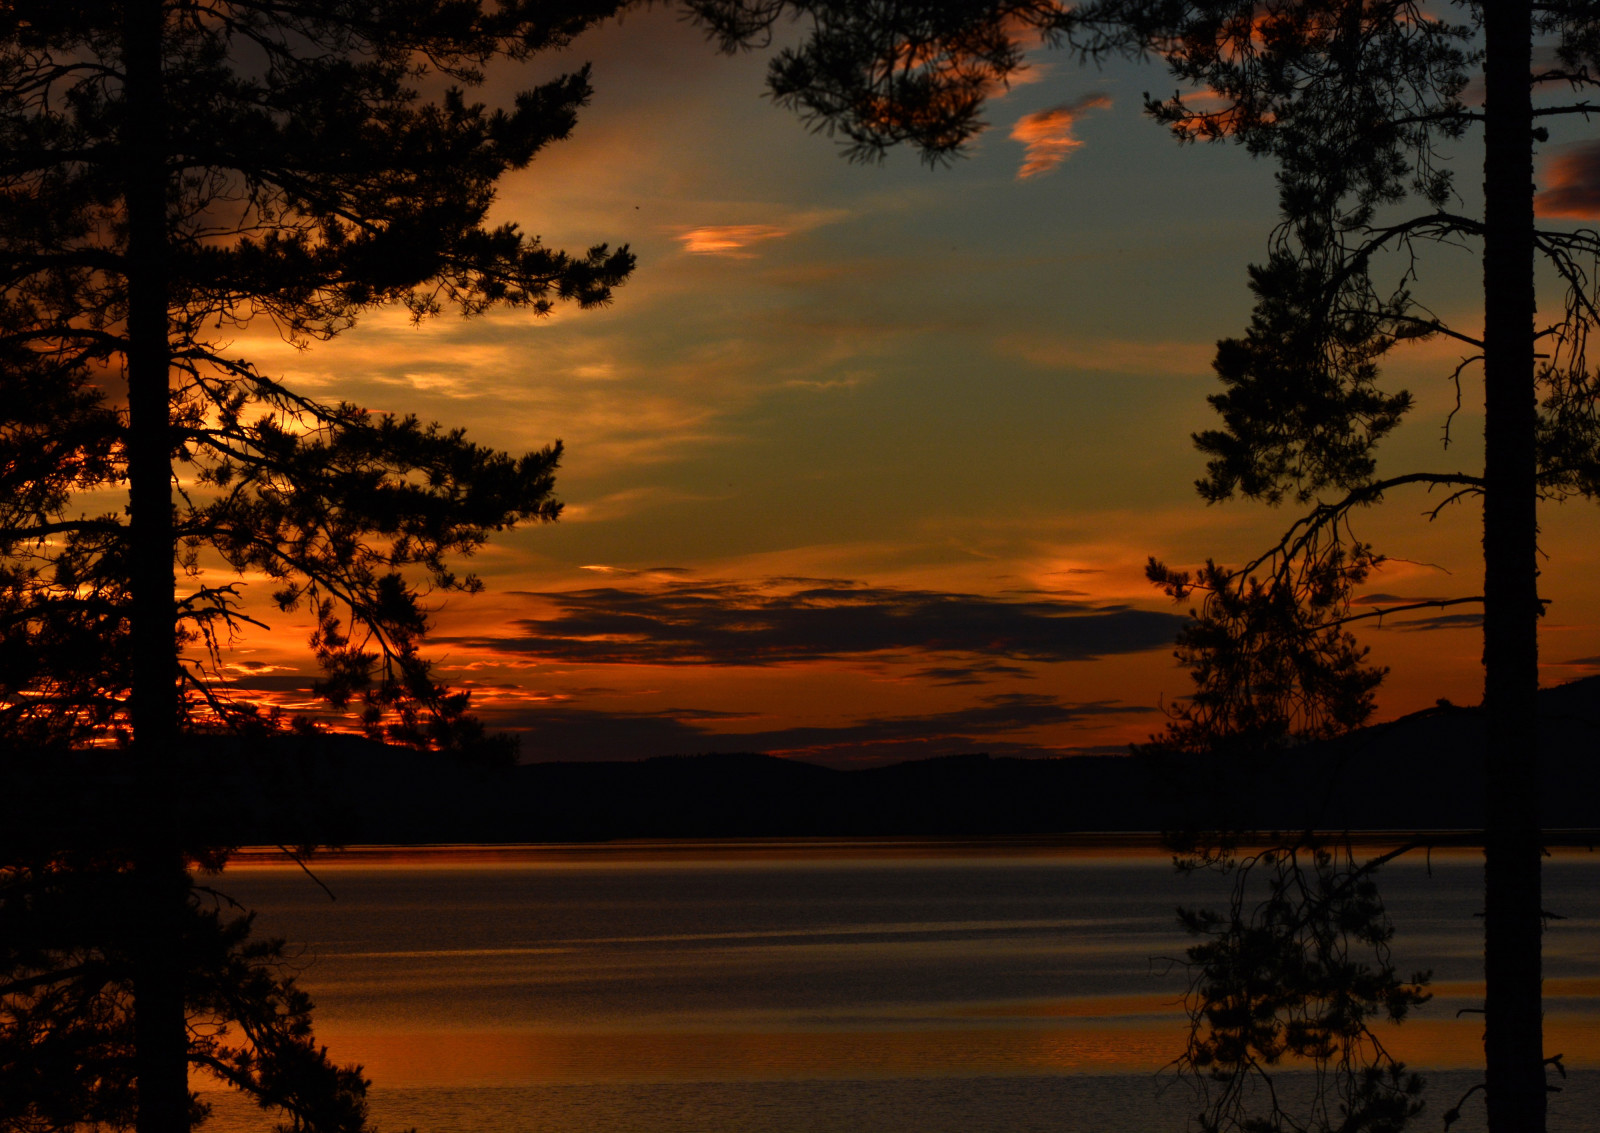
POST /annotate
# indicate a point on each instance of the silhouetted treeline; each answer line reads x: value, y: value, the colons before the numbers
x: 347, y: 790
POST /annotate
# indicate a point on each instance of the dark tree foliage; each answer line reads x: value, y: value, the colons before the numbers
x: 172, y: 172
x: 57, y: 435
x: 1301, y: 408
x: 1294, y: 973
x: 1358, y: 103
x: 306, y: 181
x: 1272, y: 664
x: 882, y: 74
x: 66, y: 1029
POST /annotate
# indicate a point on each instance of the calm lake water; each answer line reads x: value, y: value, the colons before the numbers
x: 829, y: 986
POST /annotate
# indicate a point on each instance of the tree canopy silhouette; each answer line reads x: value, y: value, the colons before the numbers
x: 1357, y: 102
x: 68, y: 1058
x: 170, y: 173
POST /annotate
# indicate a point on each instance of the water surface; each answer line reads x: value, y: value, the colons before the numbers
x: 824, y: 985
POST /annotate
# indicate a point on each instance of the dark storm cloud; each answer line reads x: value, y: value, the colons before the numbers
x: 1438, y: 621
x: 275, y: 682
x: 735, y: 623
x: 977, y: 673
x: 557, y: 732
x: 993, y: 715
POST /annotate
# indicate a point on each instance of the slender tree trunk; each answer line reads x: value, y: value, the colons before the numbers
x: 1513, y: 1042
x: 159, y: 875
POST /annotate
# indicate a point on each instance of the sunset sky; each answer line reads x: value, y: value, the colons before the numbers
x: 865, y: 461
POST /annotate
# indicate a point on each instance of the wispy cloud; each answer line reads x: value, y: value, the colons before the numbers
x: 1047, y: 134
x: 628, y: 572
x: 1572, y: 183
x: 729, y: 239
x: 740, y: 624
x: 734, y: 239
x: 1378, y: 602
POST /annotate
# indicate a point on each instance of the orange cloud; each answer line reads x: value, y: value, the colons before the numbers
x: 1572, y: 180
x: 727, y: 239
x: 1047, y: 134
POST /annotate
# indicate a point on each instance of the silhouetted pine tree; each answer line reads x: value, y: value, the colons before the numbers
x: 170, y: 172
x: 1295, y: 969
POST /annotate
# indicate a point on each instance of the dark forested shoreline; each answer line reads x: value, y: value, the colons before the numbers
x: 1420, y: 772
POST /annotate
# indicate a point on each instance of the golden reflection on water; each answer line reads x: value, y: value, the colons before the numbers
x: 508, y: 1058
x: 1078, y: 1043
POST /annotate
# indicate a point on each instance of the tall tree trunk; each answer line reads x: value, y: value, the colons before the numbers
x: 159, y: 875
x: 1513, y: 1043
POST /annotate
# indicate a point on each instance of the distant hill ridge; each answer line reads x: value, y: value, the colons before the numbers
x: 1423, y: 771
